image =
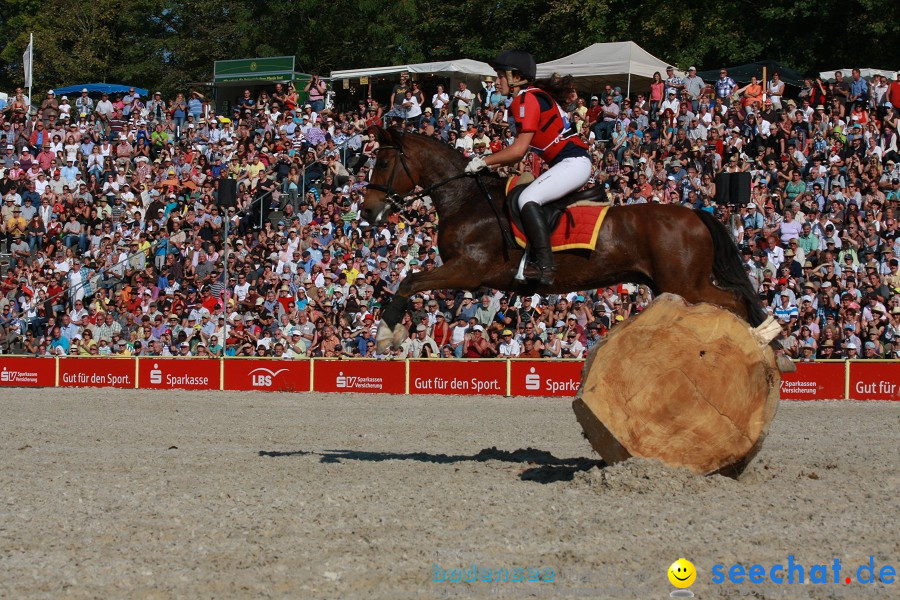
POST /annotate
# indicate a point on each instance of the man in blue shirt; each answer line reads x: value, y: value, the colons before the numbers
x: 674, y: 83
x: 246, y: 101
x: 786, y: 312
x: 58, y: 341
x: 725, y: 87
x: 217, y: 168
x: 859, y: 88
x: 195, y: 105
x: 70, y: 172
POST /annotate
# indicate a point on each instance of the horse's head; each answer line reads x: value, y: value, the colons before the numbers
x: 393, y: 177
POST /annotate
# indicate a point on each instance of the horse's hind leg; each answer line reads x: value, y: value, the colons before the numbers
x: 705, y: 291
x: 699, y: 289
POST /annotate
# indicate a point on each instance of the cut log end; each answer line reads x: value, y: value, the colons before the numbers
x: 690, y: 385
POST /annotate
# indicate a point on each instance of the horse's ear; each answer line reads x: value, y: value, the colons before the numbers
x: 377, y: 133
x: 395, y: 136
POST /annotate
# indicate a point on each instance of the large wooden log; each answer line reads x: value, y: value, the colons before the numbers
x: 690, y: 385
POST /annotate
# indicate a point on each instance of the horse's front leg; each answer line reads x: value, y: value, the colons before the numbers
x: 458, y: 274
x: 391, y: 331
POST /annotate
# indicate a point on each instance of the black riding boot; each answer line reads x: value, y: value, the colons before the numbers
x: 538, y: 233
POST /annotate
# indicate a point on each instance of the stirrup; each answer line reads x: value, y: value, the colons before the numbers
x: 543, y: 275
x: 548, y: 274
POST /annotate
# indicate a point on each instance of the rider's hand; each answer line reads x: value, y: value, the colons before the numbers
x: 475, y: 165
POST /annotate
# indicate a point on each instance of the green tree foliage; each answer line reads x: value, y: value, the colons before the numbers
x: 171, y: 43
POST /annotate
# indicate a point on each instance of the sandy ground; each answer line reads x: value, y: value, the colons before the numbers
x: 108, y: 494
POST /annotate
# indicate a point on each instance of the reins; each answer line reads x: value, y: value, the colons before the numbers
x: 398, y: 201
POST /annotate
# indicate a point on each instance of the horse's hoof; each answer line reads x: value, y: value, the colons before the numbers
x: 383, y: 338
x: 785, y: 364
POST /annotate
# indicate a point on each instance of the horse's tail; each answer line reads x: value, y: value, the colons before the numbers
x: 728, y: 268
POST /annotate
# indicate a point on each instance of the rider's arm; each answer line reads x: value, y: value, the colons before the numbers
x: 513, y: 153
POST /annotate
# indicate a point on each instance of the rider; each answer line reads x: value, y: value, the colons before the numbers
x: 542, y: 126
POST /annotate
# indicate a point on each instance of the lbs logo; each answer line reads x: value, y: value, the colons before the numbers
x: 263, y: 378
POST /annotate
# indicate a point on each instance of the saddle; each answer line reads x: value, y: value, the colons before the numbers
x: 553, y: 211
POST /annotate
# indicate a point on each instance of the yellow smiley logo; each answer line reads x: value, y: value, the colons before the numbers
x: 682, y: 573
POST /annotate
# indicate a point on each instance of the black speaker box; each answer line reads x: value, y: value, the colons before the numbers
x: 739, y: 191
x: 227, y: 193
x: 723, y: 188
x: 733, y: 188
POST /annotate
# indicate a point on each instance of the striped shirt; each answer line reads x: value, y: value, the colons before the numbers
x: 725, y: 87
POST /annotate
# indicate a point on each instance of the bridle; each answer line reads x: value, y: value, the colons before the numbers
x: 397, y: 200
x: 392, y: 196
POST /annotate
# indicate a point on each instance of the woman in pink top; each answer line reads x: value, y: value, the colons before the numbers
x: 656, y: 94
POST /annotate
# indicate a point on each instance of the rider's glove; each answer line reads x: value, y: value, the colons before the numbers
x: 475, y: 165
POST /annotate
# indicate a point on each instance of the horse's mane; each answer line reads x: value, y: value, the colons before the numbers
x: 447, y: 152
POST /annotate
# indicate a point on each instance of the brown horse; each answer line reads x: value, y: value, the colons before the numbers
x: 669, y: 248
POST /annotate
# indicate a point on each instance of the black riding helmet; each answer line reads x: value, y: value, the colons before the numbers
x: 516, y: 61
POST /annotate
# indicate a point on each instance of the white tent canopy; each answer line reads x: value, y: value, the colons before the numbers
x: 614, y: 63
x: 864, y: 73
x: 463, y: 68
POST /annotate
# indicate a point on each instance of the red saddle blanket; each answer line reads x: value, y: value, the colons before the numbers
x: 577, y: 229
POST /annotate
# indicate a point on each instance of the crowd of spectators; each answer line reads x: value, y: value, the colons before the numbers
x: 116, y: 238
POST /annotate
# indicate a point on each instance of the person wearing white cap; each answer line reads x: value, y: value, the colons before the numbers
x: 476, y: 345
x: 753, y: 220
x: 49, y: 107
x: 9, y: 157
x: 156, y: 109
x: 419, y: 345
x: 693, y: 85
x: 65, y: 108
x: 84, y: 104
x: 295, y: 347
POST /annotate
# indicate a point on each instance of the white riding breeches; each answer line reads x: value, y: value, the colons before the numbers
x: 565, y: 177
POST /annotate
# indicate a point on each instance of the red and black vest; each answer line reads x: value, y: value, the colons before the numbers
x: 534, y: 110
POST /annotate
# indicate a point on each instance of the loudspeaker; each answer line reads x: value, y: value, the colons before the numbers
x: 723, y: 188
x: 733, y: 188
x: 227, y: 193
x: 739, y: 192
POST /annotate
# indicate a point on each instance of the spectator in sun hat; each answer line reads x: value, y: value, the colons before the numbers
x: 509, y: 346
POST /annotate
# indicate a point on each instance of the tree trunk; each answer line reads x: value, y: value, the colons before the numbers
x: 690, y: 385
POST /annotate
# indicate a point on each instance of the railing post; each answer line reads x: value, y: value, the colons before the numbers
x: 846, y: 380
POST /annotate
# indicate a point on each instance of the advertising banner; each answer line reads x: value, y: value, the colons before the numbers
x: 267, y: 375
x: 362, y: 376
x: 27, y: 372
x: 545, y: 378
x: 178, y: 373
x: 874, y: 380
x: 97, y: 372
x: 868, y: 380
x: 814, y: 381
x: 466, y: 377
